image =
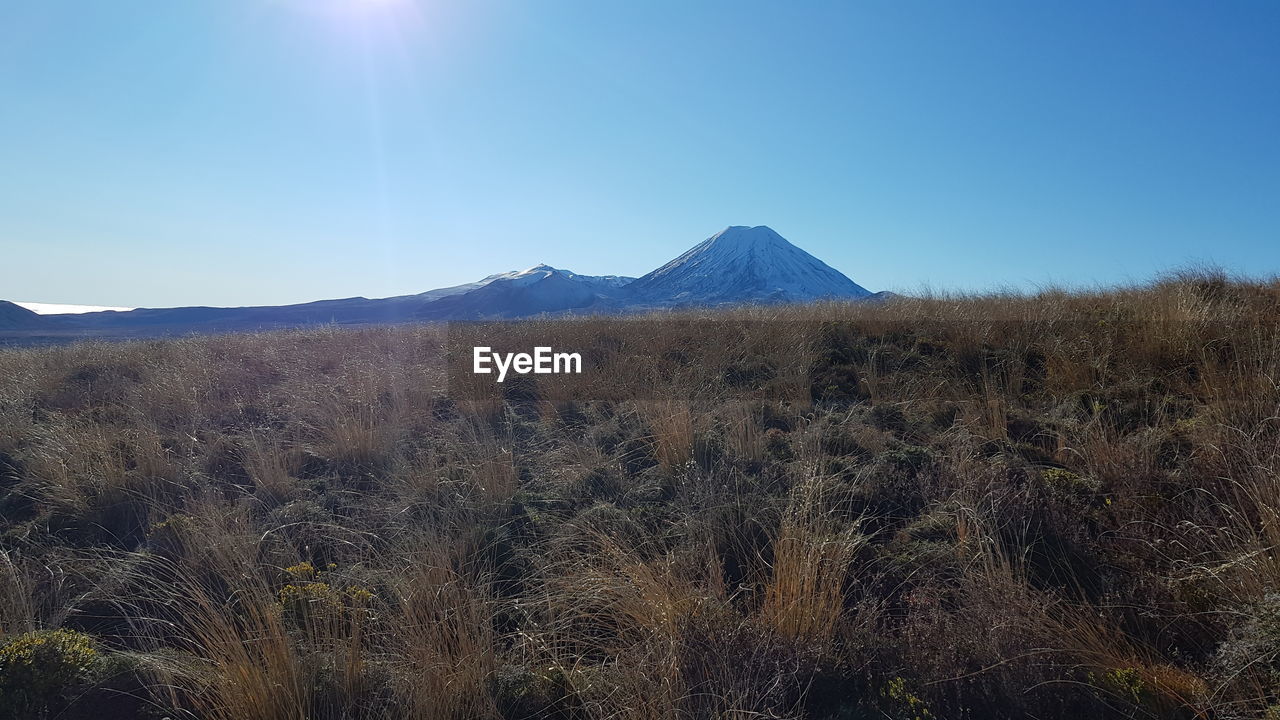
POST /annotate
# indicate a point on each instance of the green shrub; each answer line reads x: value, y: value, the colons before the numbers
x: 902, y: 704
x: 1126, y: 683
x: 38, y: 668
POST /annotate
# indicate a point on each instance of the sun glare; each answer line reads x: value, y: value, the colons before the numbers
x: 352, y: 7
x: 379, y: 21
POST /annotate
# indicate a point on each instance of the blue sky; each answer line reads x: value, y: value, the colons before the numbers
x: 229, y: 152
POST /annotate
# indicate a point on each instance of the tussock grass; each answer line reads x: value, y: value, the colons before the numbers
x: 1058, y: 505
x: 812, y: 554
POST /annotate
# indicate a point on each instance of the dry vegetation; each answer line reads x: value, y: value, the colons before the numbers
x: 1056, y: 506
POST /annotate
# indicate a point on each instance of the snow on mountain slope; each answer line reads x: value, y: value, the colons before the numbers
x: 541, y: 272
x: 745, y: 264
x: 524, y: 277
x: 539, y: 289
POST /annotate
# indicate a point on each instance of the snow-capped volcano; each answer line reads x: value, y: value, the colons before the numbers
x: 745, y: 264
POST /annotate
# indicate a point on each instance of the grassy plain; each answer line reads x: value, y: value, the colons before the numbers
x: 1061, y: 505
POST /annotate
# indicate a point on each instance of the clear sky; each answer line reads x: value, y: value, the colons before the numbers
x: 229, y: 152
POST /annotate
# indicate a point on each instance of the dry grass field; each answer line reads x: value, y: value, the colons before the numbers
x: 1063, y: 505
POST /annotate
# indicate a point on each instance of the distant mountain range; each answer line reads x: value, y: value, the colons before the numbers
x: 736, y: 266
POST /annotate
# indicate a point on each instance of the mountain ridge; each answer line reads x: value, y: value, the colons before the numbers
x: 738, y: 265
x: 15, y: 317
